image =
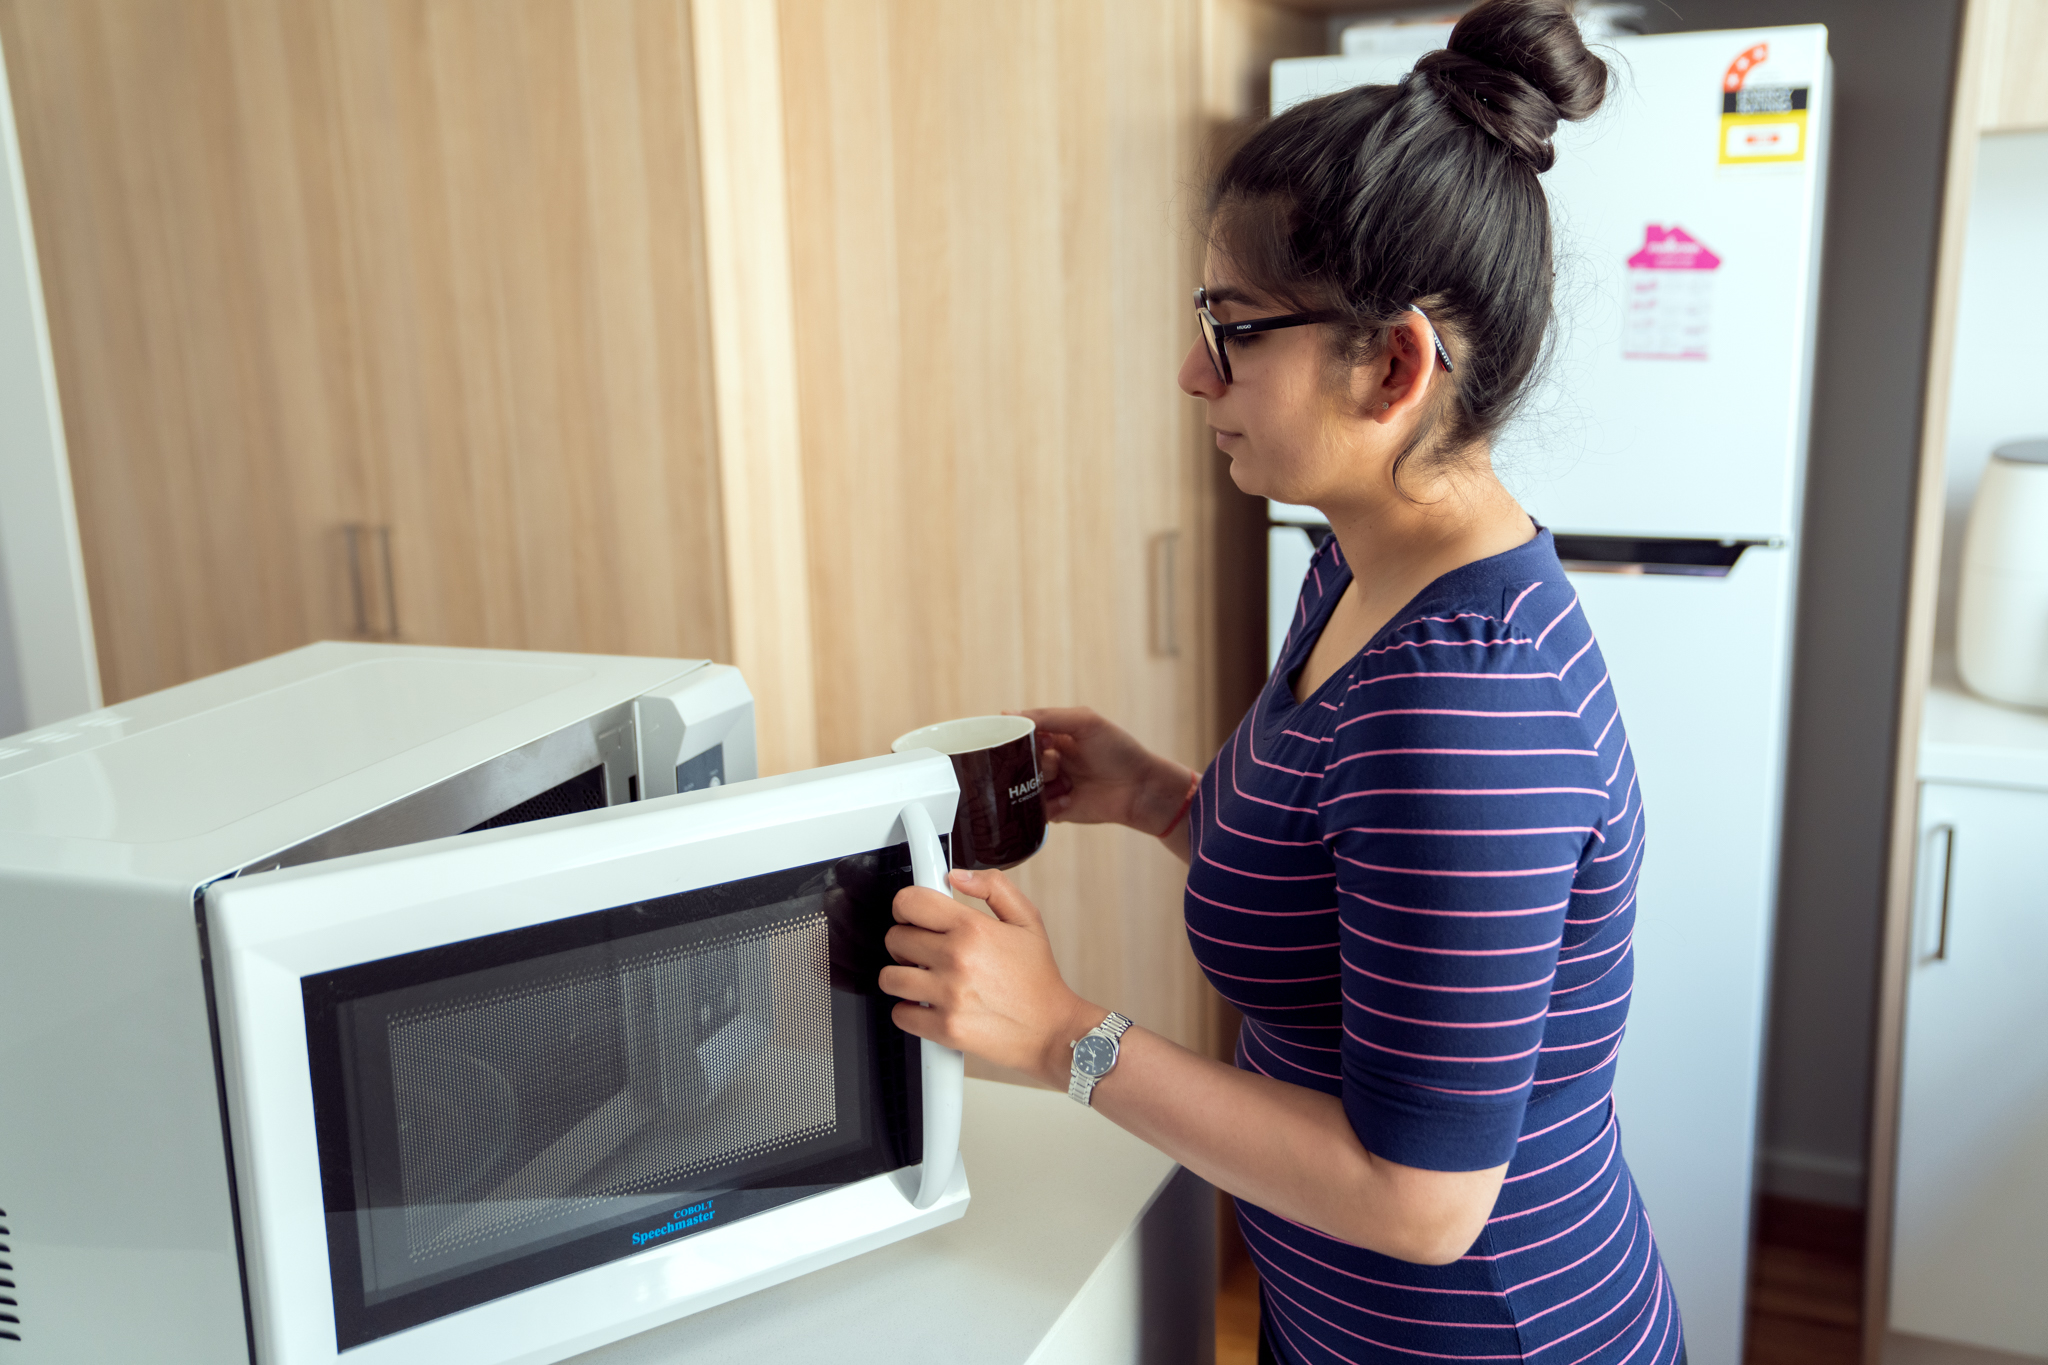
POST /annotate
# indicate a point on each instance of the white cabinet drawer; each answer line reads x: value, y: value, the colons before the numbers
x: 1970, y: 1245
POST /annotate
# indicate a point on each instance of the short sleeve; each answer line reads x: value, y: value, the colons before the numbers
x: 1460, y: 799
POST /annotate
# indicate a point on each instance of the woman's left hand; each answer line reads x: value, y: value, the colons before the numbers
x: 991, y: 985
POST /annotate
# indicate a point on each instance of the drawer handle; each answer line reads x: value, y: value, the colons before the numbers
x: 1940, y: 842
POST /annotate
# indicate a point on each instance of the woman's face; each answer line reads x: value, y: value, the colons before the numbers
x: 1291, y: 433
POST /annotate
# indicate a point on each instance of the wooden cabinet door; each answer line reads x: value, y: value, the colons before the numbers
x: 1971, y: 1238
x: 427, y: 268
x: 991, y: 270
x: 2014, y: 90
x: 534, y: 349
x: 209, y: 445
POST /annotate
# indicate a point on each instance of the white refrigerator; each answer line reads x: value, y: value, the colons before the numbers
x: 1665, y: 445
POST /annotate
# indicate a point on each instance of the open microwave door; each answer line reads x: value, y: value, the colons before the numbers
x: 511, y: 1095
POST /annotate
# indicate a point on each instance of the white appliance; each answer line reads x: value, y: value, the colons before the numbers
x: 394, y: 1005
x: 1666, y: 447
x: 1406, y: 34
x: 47, y: 665
x: 2002, y: 607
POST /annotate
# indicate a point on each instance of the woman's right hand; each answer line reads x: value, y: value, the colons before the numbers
x: 1095, y: 773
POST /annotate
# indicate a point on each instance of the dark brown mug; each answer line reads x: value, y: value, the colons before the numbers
x: 1001, y: 818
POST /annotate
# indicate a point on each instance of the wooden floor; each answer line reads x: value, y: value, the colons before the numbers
x: 1806, y: 1282
x: 1237, y: 1300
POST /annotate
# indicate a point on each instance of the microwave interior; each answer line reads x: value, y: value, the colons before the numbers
x: 586, y: 766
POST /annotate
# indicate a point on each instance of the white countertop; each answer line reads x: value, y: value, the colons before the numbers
x: 1059, y: 1194
x: 1964, y: 738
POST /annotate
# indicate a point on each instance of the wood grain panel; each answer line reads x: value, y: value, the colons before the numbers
x: 1975, y: 54
x: 989, y: 229
x: 747, y: 250
x: 2014, y: 92
x: 431, y: 264
x: 1240, y: 41
x: 172, y: 442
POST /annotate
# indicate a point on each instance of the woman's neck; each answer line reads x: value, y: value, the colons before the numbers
x: 1396, y: 546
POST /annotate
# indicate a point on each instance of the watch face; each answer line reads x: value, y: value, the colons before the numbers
x: 1094, y: 1055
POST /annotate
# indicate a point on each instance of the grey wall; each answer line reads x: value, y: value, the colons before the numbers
x: 1894, y: 63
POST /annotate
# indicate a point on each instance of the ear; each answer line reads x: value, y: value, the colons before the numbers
x: 1402, y: 377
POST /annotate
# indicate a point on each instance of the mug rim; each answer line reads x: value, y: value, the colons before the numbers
x: 927, y: 736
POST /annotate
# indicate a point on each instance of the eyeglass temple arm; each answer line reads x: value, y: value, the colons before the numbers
x: 1442, y: 355
x: 1225, y: 330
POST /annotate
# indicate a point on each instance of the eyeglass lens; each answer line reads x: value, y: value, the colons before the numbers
x: 1218, y: 361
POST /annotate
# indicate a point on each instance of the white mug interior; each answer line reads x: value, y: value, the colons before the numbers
x: 965, y: 736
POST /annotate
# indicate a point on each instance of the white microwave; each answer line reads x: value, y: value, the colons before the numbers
x: 396, y: 1005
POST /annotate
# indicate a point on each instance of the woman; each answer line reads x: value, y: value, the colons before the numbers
x: 1412, y: 867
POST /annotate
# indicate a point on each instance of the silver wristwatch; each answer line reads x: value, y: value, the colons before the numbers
x: 1094, y: 1054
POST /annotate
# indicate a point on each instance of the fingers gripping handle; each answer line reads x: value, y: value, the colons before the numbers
x: 945, y: 1070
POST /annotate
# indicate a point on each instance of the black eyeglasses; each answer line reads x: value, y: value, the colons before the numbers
x: 1215, y: 334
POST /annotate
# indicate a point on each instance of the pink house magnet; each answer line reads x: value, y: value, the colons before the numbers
x: 1668, y: 297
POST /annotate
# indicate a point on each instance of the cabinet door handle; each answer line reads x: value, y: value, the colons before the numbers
x: 360, y: 598
x: 1937, y: 880
x: 359, y: 588
x: 1165, y: 600
x: 390, y: 585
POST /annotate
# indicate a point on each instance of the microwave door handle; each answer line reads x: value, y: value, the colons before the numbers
x: 945, y: 1070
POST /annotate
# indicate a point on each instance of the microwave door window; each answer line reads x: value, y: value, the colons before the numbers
x: 524, y: 1111
x: 497, y: 1113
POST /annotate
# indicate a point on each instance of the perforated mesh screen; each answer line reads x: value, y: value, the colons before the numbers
x: 585, y: 791
x: 659, y: 1066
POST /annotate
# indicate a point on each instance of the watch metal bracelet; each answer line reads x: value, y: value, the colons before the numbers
x: 1095, y: 1052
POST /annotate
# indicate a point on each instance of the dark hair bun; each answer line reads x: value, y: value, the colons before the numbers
x: 1372, y: 200
x: 1514, y: 68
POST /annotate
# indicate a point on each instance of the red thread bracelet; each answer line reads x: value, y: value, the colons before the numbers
x: 1194, y: 786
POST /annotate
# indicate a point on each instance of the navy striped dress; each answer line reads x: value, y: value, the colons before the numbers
x: 1419, y: 887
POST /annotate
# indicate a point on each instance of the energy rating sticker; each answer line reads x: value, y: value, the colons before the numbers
x: 1668, y: 301
x: 1761, y: 122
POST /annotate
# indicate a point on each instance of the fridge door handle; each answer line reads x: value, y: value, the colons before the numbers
x: 1689, y: 556
x: 945, y: 1070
